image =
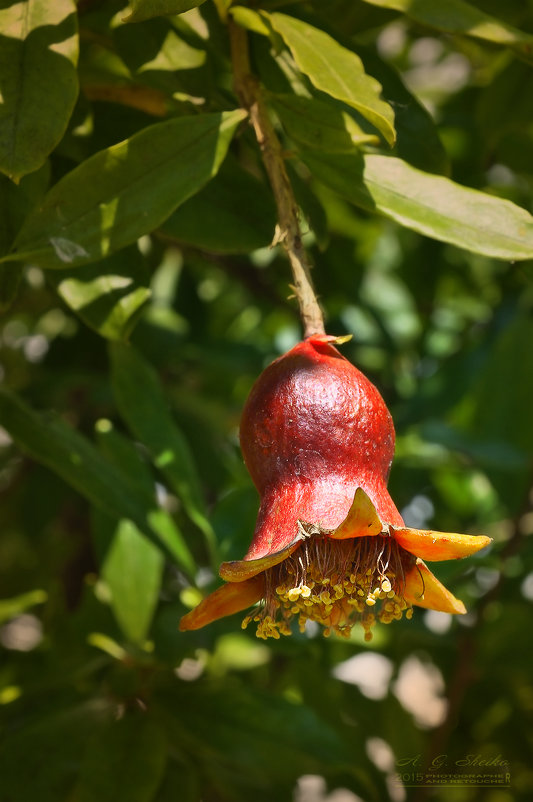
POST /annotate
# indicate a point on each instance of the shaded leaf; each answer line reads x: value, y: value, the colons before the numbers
x: 145, y: 9
x: 40, y: 760
x: 220, y: 219
x: 143, y: 406
x: 417, y: 139
x: 39, y: 84
x: 125, y: 191
x: 335, y: 70
x: 457, y: 16
x: 315, y: 124
x: 430, y: 204
x: 108, y: 296
x: 125, y: 762
x: 50, y: 441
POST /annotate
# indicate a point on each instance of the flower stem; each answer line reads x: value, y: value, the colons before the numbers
x: 288, y: 231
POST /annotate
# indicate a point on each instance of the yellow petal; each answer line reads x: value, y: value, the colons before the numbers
x: 424, y: 589
x: 362, y: 519
x: 240, y: 570
x: 229, y: 599
x: 431, y: 545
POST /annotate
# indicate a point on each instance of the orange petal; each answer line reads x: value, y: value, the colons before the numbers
x: 424, y: 589
x: 431, y: 545
x: 362, y: 519
x: 229, y: 599
x: 240, y: 570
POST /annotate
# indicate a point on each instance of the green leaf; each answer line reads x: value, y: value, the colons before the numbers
x: 418, y: 139
x: 50, y: 441
x: 125, y: 191
x: 430, y: 204
x: 108, y: 296
x: 38, y: 56
x: 146, y: 9
x: 315, y: 124
x: 40, y: 759
x: 133, y: 566
x: 456, y: 16
x: 335, y: 70
x: 9, y: 608
x: 126, y: 761
x: 132, y: 570
x: 143, y: 406
x: 218, y: 219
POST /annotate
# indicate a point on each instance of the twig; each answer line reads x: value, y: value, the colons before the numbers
x: 288, y: 229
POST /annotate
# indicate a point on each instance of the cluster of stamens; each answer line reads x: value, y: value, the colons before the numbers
x: 336, y: 583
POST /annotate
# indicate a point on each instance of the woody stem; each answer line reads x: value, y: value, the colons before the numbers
x: 288, y: 231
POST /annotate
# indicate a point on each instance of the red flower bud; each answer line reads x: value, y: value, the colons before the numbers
x: 329, y: 544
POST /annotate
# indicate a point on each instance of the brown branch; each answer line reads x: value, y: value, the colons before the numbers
x: 288, y: 231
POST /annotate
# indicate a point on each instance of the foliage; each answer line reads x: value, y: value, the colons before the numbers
x: 141, y: 299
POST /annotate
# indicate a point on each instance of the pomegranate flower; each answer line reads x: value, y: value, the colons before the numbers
x: 329, y: 544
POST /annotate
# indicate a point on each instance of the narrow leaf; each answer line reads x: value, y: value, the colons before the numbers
x: 126, y: 761
x: 16, y: 605
x: 38, y: 59
x: 132, y: 570
x: 125, y: 191
x: 457, y: 16
x: 146, y: 9
x: 335, y: 70
x: 143, y: 406
x: 318, y: 125
x: 50, y: 441
x: 430, y: 204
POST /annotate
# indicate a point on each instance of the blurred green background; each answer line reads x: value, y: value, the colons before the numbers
x: 100, y: 696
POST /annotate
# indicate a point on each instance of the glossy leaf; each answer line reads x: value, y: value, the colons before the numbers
x: 315, y: 124
x: 50, y: 441
x: 143, y: 406
x: 38, y: 56
x: 132, y: 570
x: 457, y: 16
x: 335, y: 70
x: 218, y: 219
x: 430, y: 204
x: 125, y: 191
x: 125, y: 762
x: 108, y: 296
x: 146, y: 9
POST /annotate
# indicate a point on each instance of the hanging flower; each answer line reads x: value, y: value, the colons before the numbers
x: 329, y: 544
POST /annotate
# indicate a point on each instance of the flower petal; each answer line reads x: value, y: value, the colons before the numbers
x: 362, y: 519
x: 240, y: 570
x: 424, y: 589
x: 229, y: 599
x: 430, y: 545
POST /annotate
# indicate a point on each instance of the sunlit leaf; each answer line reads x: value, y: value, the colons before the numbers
x: 38, y: 56
x: 132, y: 570
x: 335, y: 70
x: 108, y: 296
x: 125, y: 191
x: 430, y: 204
x: 145, y: 9
x: 318, y: 125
